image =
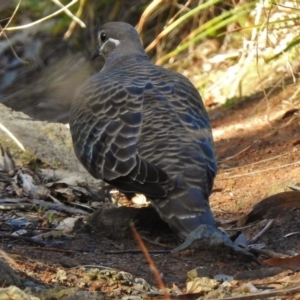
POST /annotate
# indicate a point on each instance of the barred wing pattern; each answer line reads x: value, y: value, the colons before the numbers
x: 106, y: 121
x: 144, y: 129
x: 176, y: 136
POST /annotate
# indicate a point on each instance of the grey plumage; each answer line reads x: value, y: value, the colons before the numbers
x: 144, y: 129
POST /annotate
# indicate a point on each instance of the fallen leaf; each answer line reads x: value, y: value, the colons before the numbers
x: 287, y: 262
x: 257, y: 274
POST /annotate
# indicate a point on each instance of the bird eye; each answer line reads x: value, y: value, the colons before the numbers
x: 103, y: 36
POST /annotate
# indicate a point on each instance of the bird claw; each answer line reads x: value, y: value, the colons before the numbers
x: 206, y: 237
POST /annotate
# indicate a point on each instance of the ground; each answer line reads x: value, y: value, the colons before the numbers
x: 257, y: 144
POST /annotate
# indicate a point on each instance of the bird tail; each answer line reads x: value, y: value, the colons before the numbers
x: 184, y: 210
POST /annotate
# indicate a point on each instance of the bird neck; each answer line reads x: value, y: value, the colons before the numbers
x: 114, y: 60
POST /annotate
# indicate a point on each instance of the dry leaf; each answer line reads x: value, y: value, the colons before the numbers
x: 287, y: 262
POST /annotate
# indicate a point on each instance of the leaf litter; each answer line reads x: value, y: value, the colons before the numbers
x: 46, y: 231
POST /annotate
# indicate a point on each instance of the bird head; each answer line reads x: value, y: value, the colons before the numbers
x: 117, y: 38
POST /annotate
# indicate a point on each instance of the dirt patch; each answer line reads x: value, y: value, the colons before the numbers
x: 259, y: 155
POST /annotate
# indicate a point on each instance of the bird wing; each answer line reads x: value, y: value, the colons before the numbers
x: 192, y: 115
x: 183, y: 146
x: 177, y: 134
x: 105, y: 126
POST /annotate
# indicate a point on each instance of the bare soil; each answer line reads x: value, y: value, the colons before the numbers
x: 258, y: 148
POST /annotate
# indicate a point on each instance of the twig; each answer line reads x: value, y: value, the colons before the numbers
x: 260, y: 171
x: 10, y: 19
x: 32, y: 203
x: 292, y: 119
x: 259, y: 162
x: 295, y: 94
x: 235, y: 155
x: 72, y: 25
x: 40, y: 20
x: 263, y: 231
x: 54, y: 199
x: 182, y: 8
x: 265, y: 295
x: 293, y: 187
x: 240, y: 228
x: 266, y: 98
x: 24, y: 238
x: 267, y: 252
x: 156, y: 243
x: 69, y: 13
x: 55, y: 250
x: 11, y: 46
x: 151, y: 263
x: 137, y: 252
x: 12, y: 136
x: 149, y: 9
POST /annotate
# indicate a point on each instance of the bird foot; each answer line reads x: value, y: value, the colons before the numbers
x: 206, y: 237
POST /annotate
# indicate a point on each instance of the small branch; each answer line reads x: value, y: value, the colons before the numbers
x: 55, y: 250
x: 156, y: 243
x: 31, y: 204
x: 233, y: 156
x: 267, y: 252
x: 69, y: 13
x: 12, y: 136
x: 10, y: 19
x: 260, y: 171
x: 240, y: 228
x: 150, y: 262
x: 137, y: 252
x: 40, y: 20
x: 24, y: 238
x: 258, y: 162
x: 265, y: 295
x: 262, y: 232
x: 72, y: 25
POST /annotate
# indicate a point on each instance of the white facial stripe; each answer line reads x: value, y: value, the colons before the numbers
x: 116, y: 42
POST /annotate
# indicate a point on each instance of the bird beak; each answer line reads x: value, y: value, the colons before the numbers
x: 96, y: 53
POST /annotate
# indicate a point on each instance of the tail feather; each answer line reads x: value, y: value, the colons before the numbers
x: 184, y: 210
